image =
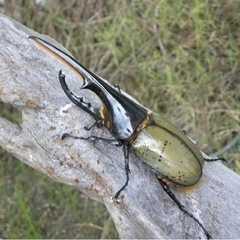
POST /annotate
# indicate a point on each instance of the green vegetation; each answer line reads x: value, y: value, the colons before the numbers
x: 179, y: 58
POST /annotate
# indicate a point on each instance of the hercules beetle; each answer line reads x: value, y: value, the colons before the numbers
x: 170, y: 154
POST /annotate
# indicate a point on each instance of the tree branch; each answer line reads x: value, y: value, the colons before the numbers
x: 29, y: 81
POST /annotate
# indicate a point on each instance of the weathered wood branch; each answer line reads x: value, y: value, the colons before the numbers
x: 29, y: 81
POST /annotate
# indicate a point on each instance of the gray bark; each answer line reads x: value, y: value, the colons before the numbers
x: 29, y: 81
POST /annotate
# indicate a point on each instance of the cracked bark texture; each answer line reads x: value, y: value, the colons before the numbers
x: 29, y: 81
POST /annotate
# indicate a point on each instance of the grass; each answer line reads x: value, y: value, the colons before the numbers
x: 179, y: 58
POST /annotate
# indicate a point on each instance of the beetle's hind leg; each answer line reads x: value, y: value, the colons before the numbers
x: 182, y: 207
x: 205, y: 156
x: 212, y: 159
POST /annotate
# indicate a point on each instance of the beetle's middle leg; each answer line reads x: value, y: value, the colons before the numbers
x: 114, y: 142
x: 182, y: 207
x: 127, y: 171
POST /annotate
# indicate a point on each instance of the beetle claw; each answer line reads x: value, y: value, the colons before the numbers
x: 98, y: 124
x: 116, y: 200
x: 65, y: 135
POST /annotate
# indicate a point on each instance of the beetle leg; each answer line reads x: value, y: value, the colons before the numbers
x: 183, y: 131
x: 115, y: 142
x: 98, y: 124
x: 211, y: 159
x: 182, y: 208
x: 214, y: 159
x: 117, y: 87
x: 86, y: 106
x: 206, y: 157
x: 127, y: 171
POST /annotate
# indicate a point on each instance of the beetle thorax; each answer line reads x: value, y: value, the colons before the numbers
x: 121, y: 114
x: 118, y: 121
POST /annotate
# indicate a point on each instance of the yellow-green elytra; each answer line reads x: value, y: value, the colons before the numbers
x: 169, y: 152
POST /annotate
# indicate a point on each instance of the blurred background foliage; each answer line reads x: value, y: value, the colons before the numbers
x: 179, y: 58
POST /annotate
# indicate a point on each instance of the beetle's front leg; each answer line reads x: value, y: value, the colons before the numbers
x: 127, y: 171
x: 98, y: 124
x: 115, y: 142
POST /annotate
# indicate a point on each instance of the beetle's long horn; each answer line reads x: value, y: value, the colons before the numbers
x: 62, y: 56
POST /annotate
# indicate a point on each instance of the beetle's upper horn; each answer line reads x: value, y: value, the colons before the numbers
x: 63, y: 57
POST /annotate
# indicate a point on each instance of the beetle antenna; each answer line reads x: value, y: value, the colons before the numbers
x: 181, y: 207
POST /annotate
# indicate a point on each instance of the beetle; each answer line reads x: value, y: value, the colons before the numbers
x: 169, y: 153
